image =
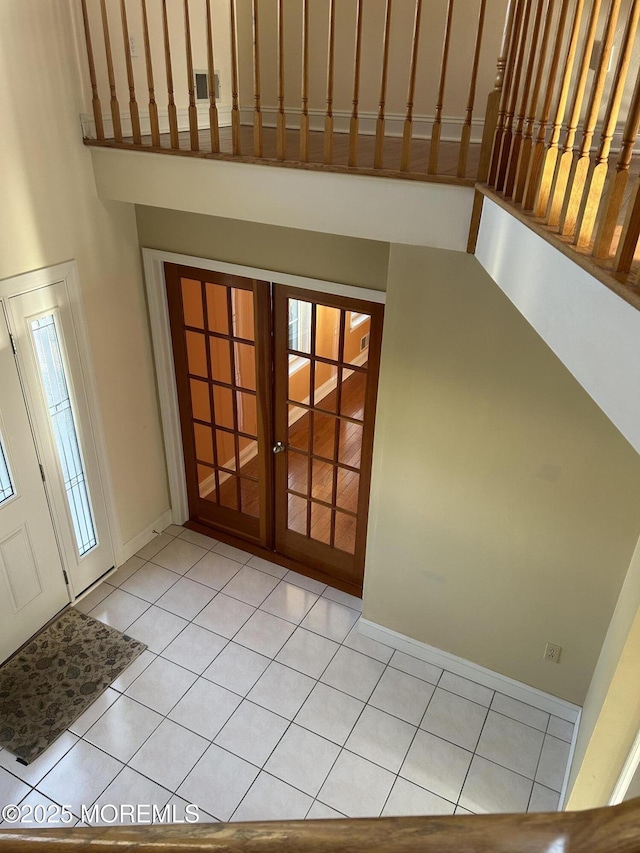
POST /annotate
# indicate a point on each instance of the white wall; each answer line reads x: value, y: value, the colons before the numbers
x: 594, y: 332
x: 415, y: 212
x: 51, y: 213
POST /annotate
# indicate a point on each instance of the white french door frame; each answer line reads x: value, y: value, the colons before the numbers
x: 67, y: 274
x: 153, y: 261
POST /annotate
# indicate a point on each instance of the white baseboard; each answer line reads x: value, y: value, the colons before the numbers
x: 473, y: 671
x: 141, y: 539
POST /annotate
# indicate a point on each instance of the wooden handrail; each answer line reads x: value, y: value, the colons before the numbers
x: 614, y: 829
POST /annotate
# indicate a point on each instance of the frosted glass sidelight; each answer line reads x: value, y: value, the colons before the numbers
x: 54, y: 381
x: 6, y: 486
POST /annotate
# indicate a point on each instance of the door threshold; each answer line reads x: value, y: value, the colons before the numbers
x: 273, y: 557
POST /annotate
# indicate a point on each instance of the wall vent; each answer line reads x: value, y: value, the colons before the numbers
x: 201, y: 79
x: 364, y: 342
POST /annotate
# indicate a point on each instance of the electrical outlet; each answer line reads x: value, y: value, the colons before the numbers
x: 133, y: 46
x: 552, y: 652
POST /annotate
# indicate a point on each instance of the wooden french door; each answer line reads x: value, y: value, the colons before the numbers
x: 277, y: 391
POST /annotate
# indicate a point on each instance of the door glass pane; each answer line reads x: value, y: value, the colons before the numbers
x: 6, y: 486
x: 297, y: 514
x: 352, y: 396
x: 324, y: 435
x: 299, y: 379
x: 223, y: 406
x: 320, y: 523
x: 297, y: 471
x: 345, y: 532
x: 299, y: 325
x: 350, y: 444
x: 249, y: 457
x: 196, y: 354
x: 245, y: 365
x: 220, y: 360
x: 226, y: 449
x: 192, y: 303
x: 249, y: 496
x: 356, y: 338
x: 217, y: 308
x: 206, y: 483
x: 204, y: 443
x: 200, y: 403
x: 327, y: 332
x: 229, y: 491
x: 242, y: 306
x: 298, y: 428
x: 247, y: 415
x: 322, y: 480
x: 325, y: 381
x: 347, y: 489
x: 54, y: 381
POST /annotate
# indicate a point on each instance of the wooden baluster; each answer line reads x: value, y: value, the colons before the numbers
x: 527, y: 139
x: 214, y: 126
x: 436, y: 130
x: 95, y: 100
x: 504, y: 100
x: 173, y: 115
x: 615, y: 196
x: 507, y: 136
x: 630, y: 232
x: 494, y: 100
x: 593, y: 195
x: 407, y: 132
x: 516, y: 143
x: 194, y: 137
x: 235, y: 111
x: 133, y: 104
x: 153, y: 106
x: 573, y: 198
x: 257, y: 111
x: 354, y: 122
x: 304, y: 115
x: 378, y: 157
x: 115, y: 107
x: 465, y: 138
x: 551, y: 155
x: 537, y: 155
x: 328, y: 119
x: 566, y: 158
x: 281, y: 141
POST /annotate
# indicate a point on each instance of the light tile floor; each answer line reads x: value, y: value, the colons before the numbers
x: 258, y: 699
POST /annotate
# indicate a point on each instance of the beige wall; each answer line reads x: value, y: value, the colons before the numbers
x: 505, y: 505
x: 51, y: 214
x: 308, y: 253
x: 462, y: 47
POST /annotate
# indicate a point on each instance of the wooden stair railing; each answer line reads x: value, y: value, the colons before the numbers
x: 552, y: 175
x: 614, y: 829
x: 441, y: 144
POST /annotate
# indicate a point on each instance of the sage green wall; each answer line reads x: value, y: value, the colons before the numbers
x: 505, y: 505
x: 349, y: 260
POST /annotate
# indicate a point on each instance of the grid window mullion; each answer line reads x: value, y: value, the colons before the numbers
x: 212, y: 405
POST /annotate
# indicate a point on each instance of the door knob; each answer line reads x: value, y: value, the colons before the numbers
x: 278, y: 447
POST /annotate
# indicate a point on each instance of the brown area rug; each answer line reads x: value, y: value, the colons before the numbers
x: 55, y: 677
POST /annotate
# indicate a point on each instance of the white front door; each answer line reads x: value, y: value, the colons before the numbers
x: 32, y: 587
x: 51, y: 370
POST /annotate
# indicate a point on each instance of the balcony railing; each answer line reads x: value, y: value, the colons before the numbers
x: 400, y: 88
x: 567, y: 127
x: 386, y: 86
x: 606, y: 830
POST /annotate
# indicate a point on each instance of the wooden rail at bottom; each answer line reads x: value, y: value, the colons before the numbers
x: 614, y: 829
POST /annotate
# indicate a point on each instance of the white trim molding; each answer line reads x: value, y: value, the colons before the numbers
x: 473, y: 671
x: 153, y: 262
x: 628, y: 772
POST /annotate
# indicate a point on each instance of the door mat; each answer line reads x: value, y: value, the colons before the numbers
x: 55, y: 677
